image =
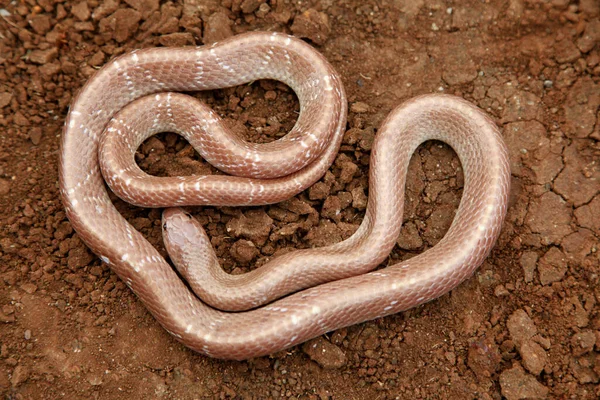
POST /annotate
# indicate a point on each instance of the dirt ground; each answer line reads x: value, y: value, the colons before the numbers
x: 525, y: 326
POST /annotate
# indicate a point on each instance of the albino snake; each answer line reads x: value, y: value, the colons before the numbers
x: 128, y: 100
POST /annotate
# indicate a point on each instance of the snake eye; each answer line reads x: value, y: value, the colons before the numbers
x: 189, y: 215
x: 165, y: 226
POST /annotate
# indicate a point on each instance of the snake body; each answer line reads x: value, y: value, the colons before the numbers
x: 302, y: 294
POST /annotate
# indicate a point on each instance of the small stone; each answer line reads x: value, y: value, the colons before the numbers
x: 325, y: 234
x: 528, y: 262
x: 484, y: 357
x: 50, y: 69
x: 97, y: 59
x: 409, y: 238
x: 122, y: 24
x: 249, y: 6
x: 565, y: 51
x: 297, y: 206
x: 87, y: 26
x: 81, y: 11
x: 27, y: 334
x: 583, y: 369
x: 144, y: 6
x: 43, y: 56
x: 583, y: 342
x: 4, y: 186
x: 254, y: 225
x: 79, y: 257
x: 324, y: 353
x: 20, y: 374
x: 349, y: 169
x: 29, y: 288
x: 589, y: 7
x: 5, y: 98
x: 217, y: 28
x: 40, y: 23
x: 534, y: 356
x: 243, y: 251
x: 107, y: 7
x: 500, y: 291
x: 552, y: 266
x: 516, y: 384
x: 451, y: 357
x: 35, y: 135
x: 566, y: 78
x: 313, y: 25
x: 270, y: 95
x: 94, y: 379
x: 6, y: 319
x: 177, y: 39
x: 359, y: 107
x: 319, y: 191
x: 332, y: 208
x: 590, y: 37
x: 263, y: 10
x: 520, y: 327
x: 359, y: 199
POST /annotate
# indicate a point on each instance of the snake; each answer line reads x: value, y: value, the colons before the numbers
x: 299, y: 295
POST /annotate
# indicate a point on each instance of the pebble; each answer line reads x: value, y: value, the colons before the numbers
x: 6, y: 318
x: 359, y: 107
x: 177, y: 39
x: 217, y: 28
x: 409, y: 238
x: 5, y: 98
x: 105, y: 8
x: 501, y: 291
x: 4, y: 186
x: 35, y: 135
x: 528, y: 262
x: 566, y: 51
x: 43, y: 56
x: 313, y: 25
x: 81, y: 11
x: 29, y: 288
x: 534, y: 357
x: 484, y: 357
x: 324, y: 353
x: 583, y: 342
x: 359, y: 199
x: 40, y: 23
x: 249, y: 6
x: 552, y: 266
x: 516, y: 384
x: 20, y: 374
x: 243, y: 251
x: 590, y: 37
x: 520, y: 326
x: 254, y: 225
